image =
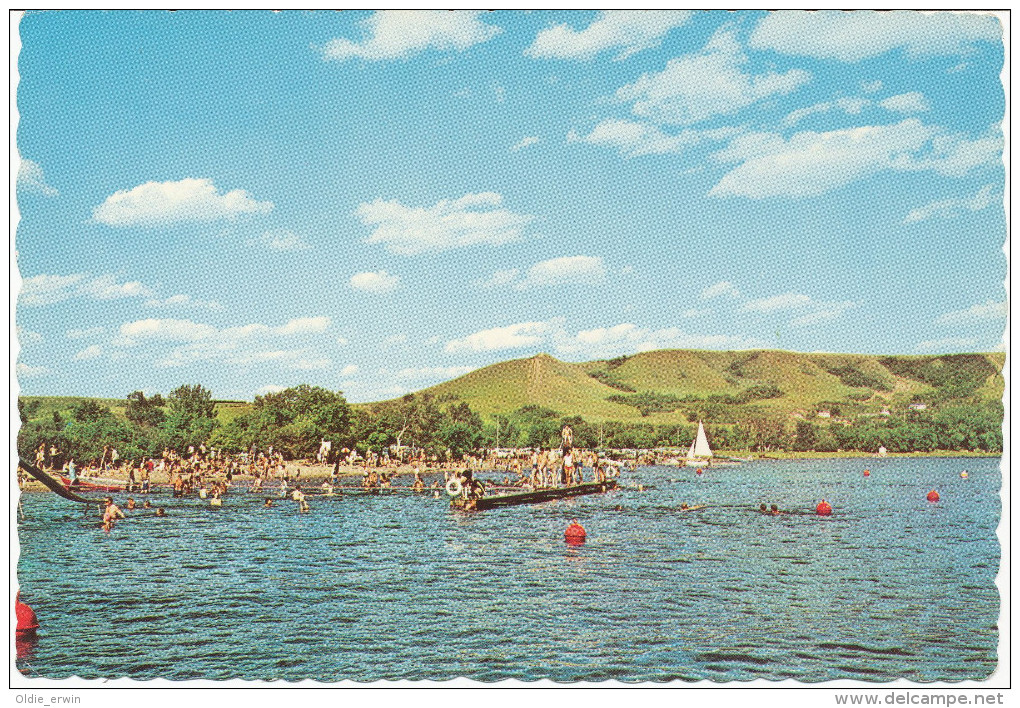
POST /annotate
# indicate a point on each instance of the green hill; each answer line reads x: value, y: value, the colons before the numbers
x: 668, y: 386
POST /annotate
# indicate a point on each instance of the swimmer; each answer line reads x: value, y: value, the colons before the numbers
x: 269, y: 503
x: 147, y: 504
x: 112, y: 513
x: 684, y: 507
x: 130, y: 504
x: 160, y: 512
x: 763, y: 509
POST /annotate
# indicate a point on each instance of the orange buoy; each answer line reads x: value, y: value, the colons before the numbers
x: 27, y: 621
x: 933, y: 496
x: 823, y: 508
x: 867, y: 473
x: 575, y: 533
x: 698, y: 472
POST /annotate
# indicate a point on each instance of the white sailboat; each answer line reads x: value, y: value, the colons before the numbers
x: 699, y: 453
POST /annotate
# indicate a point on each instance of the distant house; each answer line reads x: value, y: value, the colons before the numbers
x: 824, y: 414
x: 918, y: 406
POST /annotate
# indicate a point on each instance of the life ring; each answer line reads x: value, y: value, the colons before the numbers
x: 454, y: 488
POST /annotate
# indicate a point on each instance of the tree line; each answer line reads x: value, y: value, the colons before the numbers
x: 295, y: 420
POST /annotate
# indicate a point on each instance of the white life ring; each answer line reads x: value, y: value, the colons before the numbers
x: 454, y: 488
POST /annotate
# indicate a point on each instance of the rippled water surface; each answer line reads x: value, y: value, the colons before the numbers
x: 400, y: 586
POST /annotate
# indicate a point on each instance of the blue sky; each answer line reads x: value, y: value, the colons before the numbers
x: 378, y: 202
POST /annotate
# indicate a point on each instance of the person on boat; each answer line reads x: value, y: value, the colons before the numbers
x: 684, y: 507
x: 568, y: 467
x: 72, y: 473
x: 763, y: 508
x: 774, y: 510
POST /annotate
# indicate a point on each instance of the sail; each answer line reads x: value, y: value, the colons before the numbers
x: 699, y: 448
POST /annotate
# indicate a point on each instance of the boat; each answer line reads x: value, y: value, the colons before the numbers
x: 535, y: 497
x: 94, y: 484
x: 699, y: 454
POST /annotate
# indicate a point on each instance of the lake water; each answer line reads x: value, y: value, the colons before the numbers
x: 401, y: 587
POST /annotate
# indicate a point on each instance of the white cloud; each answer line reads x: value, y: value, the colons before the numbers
x: 524, y: 142
x: 90, y: 352
x: 785, y: 301
x: 872, y: 86
x: 850, y: 105
x: 499, y: 278
x: 948, y: 345
x: 723, y: 287
x: 349, y: 370
x: 304, y: 325
x: 432, y: 372
x: 469, y: 220
x: 185, y: 301
x: 515, y: 336
x: 569, y: 270
x: 951, y: 208
x: 375, y: 282
x: 628, y: 31
x: 106, y: 287
x: 913, y: 102
x: 810, y: 163
x: 31, y: 178
x: 394, y: 34
x: 394, y: 339
x: 711, y: 82
x: 86, y: 333
x: 25, y: 371
x: 48, y: 289
x: 162, y: 203
x: 27, y: 336
x: 628, y: 338
x: 635, y: 138
x: 282, y: 240
x: 853, y: 36
x: 242, y: 345
x: 990, y: 310
x: 310, y: 364
x: 269, y: 388
x: 342, y: 341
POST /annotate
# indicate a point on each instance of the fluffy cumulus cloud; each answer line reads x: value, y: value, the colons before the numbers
x: 86, y: 333
x: 912, y: 102
x: 564, y: 271
x: 25, y: 371
x: 714, y: 81
x: 375, y: 281
x: 809, y: 311
x: 951, y: 208
x: 823, y: 312
x: 282, y: 240
x: 990, y: 310
x: 27, y: 336
x: 31, y: 179
x: 499, y: 278
x: 163, y: 203
x: 602, y: 341
x: 467, y: 221
x: 853, y: 36
x: 181, y: 342
x: 811, y: 163
x: 524, y: 142
x: 515, y: 336
x: 623, y: 31
x: 635, y: 138
x: 396, y: 34
x: 627, y: 338
x: 48, y: 289
x: 723, y: 288
x: 92, y: 351
x: 848, y: 104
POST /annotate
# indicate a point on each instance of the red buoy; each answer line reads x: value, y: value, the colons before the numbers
x: 27, y: 621
x: 867, y: 473
x: 823, y: 508
x: 933, y: 496
x: 698, y: 472
x: 575, y: 533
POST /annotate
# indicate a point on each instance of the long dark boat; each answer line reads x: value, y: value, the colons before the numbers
x: 536, y: 497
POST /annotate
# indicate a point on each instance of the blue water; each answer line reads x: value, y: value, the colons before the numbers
x: 401, y: 587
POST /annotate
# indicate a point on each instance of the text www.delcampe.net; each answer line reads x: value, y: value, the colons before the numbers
x: 918, y: 699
